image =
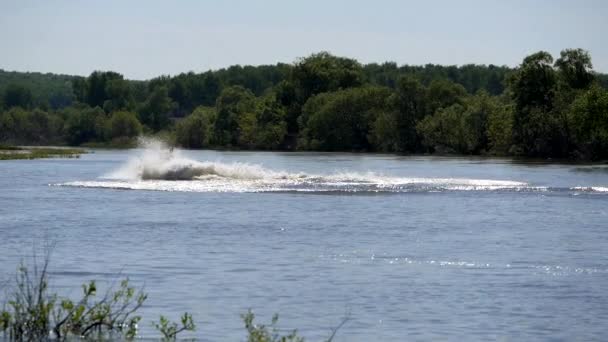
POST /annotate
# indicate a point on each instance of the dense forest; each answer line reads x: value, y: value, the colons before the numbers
x: 542, y: 108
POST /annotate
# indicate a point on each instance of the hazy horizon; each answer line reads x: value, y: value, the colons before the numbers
x: 227, y: 66
x: 143, y: 40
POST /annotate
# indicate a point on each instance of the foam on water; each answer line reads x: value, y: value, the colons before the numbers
x: 158, y: 162
x: 591, y: 188
x: 160, y: 168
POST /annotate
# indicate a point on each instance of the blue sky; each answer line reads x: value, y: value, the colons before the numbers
x: 143, y: 39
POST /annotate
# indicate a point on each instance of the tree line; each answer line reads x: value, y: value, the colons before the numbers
x: 545, y: 107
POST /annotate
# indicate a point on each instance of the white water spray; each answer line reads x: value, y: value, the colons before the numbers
x: 158, y: 167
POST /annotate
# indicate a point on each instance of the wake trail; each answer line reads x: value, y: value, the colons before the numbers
x: 159, y: 168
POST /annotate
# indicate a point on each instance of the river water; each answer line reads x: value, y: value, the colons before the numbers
x: 410, y: 248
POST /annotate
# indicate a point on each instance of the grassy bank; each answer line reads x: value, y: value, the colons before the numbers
x: 14, y: 152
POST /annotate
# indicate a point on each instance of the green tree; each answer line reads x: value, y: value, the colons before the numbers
x: 444, y: 131
x: 154, y: 112
x: 395, y: 129
x: 123, y: 124
x: 575, y: 67
x: 20, y: 126
x: 285, y: 94
x: 442, y: 94
x: 533, y: 86
x: 79, y: 89
x: 248, y: 128
x: 315, y: 74
x: 462, y: 127
x: 195, y: 130
x: 98, y: 88
x: 590, y: 120
x: 209, y: 90
x: 119, y: 95
x: 271, y: 123
x: 232, y: 104
x: 342, y: 120
x: 81, y: 124
x: 323, y: 72
x: 16, y: 95
x: 500, y: 129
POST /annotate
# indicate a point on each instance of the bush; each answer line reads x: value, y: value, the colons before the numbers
x: 589, y: 114
x: 81, y: 124
x: 342, y: 120
x: 195, y: 130
x: 122, y: 125
x: 35, y: 314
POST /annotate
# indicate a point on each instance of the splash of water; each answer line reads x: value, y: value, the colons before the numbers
x: 159, y: 162
x: 159, y: 167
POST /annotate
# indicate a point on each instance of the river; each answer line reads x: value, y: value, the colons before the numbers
x: 410, y: 248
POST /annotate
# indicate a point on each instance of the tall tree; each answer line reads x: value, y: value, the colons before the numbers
x: 396, y: 130
x: 16, y: 95
x: 154, y: 112
x: 533, y: 86
x: 590, y: 122
x: 342, y: 120
x: 233, y: 103
x: 575, y: 67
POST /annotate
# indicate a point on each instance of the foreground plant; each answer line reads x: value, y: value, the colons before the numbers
x: 169, y: 330
x: 34, y: 314
x: 271, y: 333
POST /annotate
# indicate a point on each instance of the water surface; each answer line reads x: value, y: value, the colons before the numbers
x: 416, y: 248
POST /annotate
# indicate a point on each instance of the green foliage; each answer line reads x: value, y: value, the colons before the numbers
x: 321, y: 102
x: 107, y: 90
x: 49, y: 91
x: 19, y: 126
x: 323, y: 72
x: 122, y: 125
x: 191, y: 90
x: 235, y: 106
x: 534, y: 82
x: 82, y: 124
x: 342, y: 120
x: 272, y: 333
x: 444, y: 131
x: 590, y: 123
x: 35, y: 314
x: 533, y: 88
x: 271, y: 125
x: 119, y: 95
x: 500, y: 130
x: 575, y: 68
x: 442, y: 94
x: 465, y: 127
x: 312, y: 75
x: 17, y: 96
x: 196, y: 130
x: 264, y: 333
x: 472, y: 77
x: 395, y: 130
x: 154, y: 112
x: 169, y: 330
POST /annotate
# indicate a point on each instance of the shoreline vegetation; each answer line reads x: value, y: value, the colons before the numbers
x: 545, y: 108
x: 30, y: 311
x: 36, y: 152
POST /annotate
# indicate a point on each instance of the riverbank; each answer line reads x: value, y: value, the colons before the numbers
x: 18, y: 152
